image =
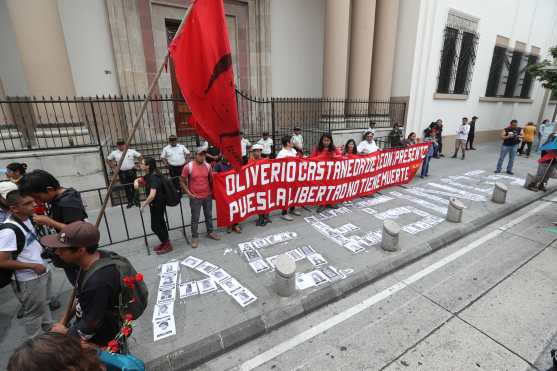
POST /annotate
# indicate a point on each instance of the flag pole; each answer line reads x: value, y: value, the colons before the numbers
x: 138, y: 120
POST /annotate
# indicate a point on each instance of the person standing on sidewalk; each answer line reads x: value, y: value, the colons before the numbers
x: 156, y: 202
x: 245, y: 144
x: 256, y: 156
x: 220, y: 167
x: 395, y: 136
x: 298, y: 140
x: 127, y: 173
x: 288, y: 151
x: 429, y: 138
x: 528, y: 135
x: 461, y: 137
x: 367, y: 145
x: 511, y: 136
x: 471, y: 134
x: 174, y: 155
x: 439, y: 138
x: 197, y: 181
x: 31, y: 276
x: 267, y: 143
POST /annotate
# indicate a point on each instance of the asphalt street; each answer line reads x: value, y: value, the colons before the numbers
x: 486, y: 302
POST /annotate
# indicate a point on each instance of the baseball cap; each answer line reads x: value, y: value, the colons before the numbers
x: 257, y: 146
x: 120, y: 141
x: 75, y: 234
x: 201, y: 149
x: 173, y: 137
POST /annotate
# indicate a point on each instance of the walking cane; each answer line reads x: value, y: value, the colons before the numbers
x: 540, y: 182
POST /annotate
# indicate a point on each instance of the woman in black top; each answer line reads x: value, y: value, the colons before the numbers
x: 155, y: 200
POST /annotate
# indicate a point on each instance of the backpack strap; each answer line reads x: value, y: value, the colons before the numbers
x: 19, y: 237
x: 209, y: 170
x: 103, y: 262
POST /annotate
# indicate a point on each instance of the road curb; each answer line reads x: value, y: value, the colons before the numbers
x: 214, y: 345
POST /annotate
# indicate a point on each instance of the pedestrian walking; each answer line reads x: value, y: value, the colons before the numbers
x: 350, y: 148
x: 528, y: 135
x: 152, y: 181
x: 127, y: 173
x: 545, y: 129
x: 245, y: 144
x: 174, y: 156
x: 471, y: 133
x: 220, y: 167
x: 429, y: 138
x: 511, y: 136
x: 288, y: 150
x: 367, y: 145
x: 395, y: 136
x: 20, y: 251
x: 197, y: 181
x: 298, y: 140
x: 267, y: 143
x: 461, y: 137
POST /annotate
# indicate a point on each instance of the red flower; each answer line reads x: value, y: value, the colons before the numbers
x: 113, y: 345
x: 128, y: 317
x: 127, y: 331
x: 129, y: 281
x: 139, y: 277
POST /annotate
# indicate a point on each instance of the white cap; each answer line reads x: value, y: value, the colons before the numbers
x: 256, y: 146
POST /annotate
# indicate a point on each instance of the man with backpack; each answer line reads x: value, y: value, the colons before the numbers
x: 98, y: 280
x: 21, y: 261
x: 196, y: 181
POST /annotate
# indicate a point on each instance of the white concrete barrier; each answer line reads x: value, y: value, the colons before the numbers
x: 499, y: 193
x: 285, y: 275
x: 455, y: 210
x: 391, y: 231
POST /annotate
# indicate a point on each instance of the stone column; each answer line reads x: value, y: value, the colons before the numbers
x: 384, y: 49
x: 42, y: 48
x: 337, y: 37
x: 361, y: 48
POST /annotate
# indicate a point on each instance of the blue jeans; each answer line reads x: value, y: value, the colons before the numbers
x: 507, y: 150
x: 425, y: 166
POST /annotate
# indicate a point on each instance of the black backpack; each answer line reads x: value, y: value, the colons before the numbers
x: 170, y: 193
x: 131, y: 300
x: 7, y: 274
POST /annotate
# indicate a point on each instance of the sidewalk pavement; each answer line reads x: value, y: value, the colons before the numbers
x: 209, y: 324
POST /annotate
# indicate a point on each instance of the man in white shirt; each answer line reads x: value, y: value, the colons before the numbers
x: 175, y: 155
x: 288, y: 151
x: 267, y: 144
x: 245, y: 144
x: 461, y: 137
x: 127, y: 172
x: 367, y: 145
x: 31, y: 275
x: 298, y: 140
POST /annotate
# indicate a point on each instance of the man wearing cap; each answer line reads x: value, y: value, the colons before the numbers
x: 30, y: 280
x: 174, y: 155
x: 267, y: 144
x: 127, y: 173
x: 96, y: 319
x: 245, y: 144
x: 256, y: 149
x: 298, y: 140
x: 471, y: 133
x: 197, y: 180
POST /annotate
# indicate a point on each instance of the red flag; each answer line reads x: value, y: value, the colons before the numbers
x: 203, y: 66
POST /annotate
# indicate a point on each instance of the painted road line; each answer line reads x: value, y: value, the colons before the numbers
x: 304, y: 336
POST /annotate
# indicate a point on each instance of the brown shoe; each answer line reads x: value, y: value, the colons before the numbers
x: 213, y: 236
x: 194, y: 243
x: 165, y: 248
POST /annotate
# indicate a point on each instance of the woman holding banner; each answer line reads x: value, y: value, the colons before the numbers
x: 326, y: 149
x: 350, y: 148
x: 288, y: 151
x: 256, y: 156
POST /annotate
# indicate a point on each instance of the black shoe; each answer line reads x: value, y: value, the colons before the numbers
x: 472, y: 148
x: 454, y: 156
x: 497, y: 171
x: 462, y: 158
x: 441, y: 155
x: 20, y: 312
x: 54, y: 304
x: 510, y: 173
x: 129, y: 206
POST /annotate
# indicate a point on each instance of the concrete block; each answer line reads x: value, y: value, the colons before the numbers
x: 499, y: 193
x: 391, y: 231
x: 529, y: 179
x: 455, y: 210
x: 242, y: 332
x: 283, y: 314
x: 319, y: 298
x: 285, y: 276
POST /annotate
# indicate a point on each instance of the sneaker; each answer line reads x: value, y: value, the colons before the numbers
x: 287, y: 217
x: 497, y: 171
x: 194, y: 243
x: 166, y: 248
x: 296, y: 212
x: 510, y: 173
x: 158, y: 247
x: 454, y: 156
x: 129, y: 206
x: 213, y: 236
x: 462, y: 158
x: 441, y: 155
x: 472, y: 148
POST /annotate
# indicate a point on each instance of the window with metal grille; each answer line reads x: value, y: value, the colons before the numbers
x: 508, y: 75
x: 458, y: 55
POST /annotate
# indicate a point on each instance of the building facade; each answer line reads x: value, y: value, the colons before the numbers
x: 444, y: 58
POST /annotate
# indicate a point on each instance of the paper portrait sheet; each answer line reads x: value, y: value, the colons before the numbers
x: 163, y: 310
x: 188, y: 289
x: 331, y: 273
x: 304, y: 281
x: 317, y: 260
x: 259, y: 265
x: 191, y: 262
x: 166, y: 294
x: 219, y: 275
x: 168, y: 280
x: 172, y: 267
x: 230, y: 285
x: 251, y: 254
x: 244, y: 297
x: 271, y: 261
x: 318, y: 277
x: 206, y: 285
x: 164, y: 327
x: 296, y: 254
x: 307, y: 250
x: 206, y: 268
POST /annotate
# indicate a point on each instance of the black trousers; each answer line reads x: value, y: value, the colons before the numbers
x: 470, y: 141
x: 175, y: 172
x: 528, y: 149
x: 158, y: 224
x: 127, y: 178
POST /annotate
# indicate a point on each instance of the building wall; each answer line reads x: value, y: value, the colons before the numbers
x: 297, y: 31
x: 528, y: 21
x: 87, y: 36
x: 11, y: 70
